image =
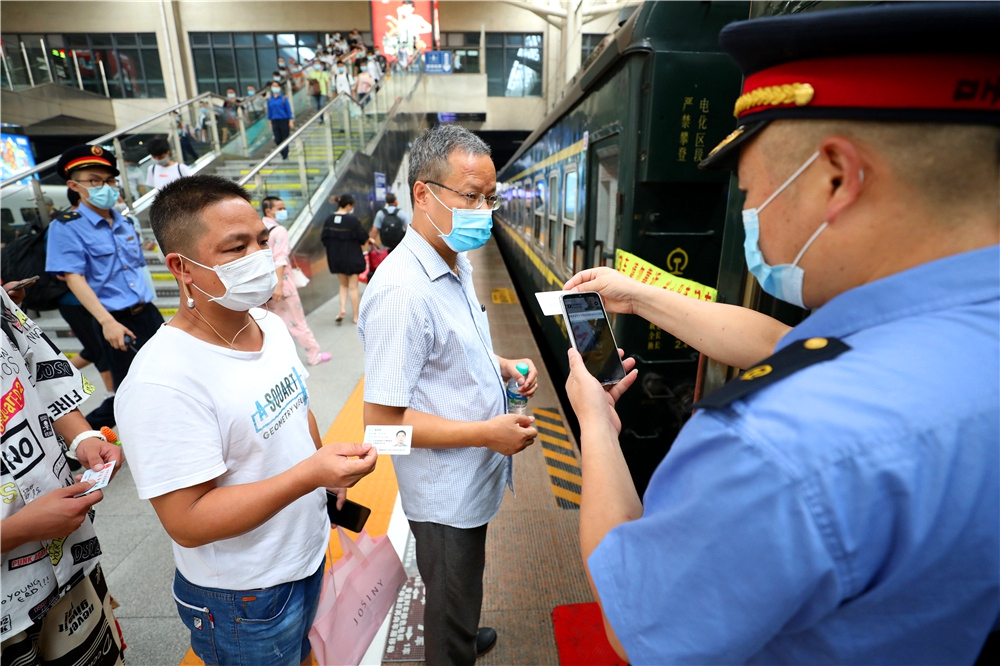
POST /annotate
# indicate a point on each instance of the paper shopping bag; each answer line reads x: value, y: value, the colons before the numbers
x: 358, y: 592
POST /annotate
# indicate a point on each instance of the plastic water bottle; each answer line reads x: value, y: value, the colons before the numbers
x: 517, y: 403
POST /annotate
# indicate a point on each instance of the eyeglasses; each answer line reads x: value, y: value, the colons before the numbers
x: 475, y: 199
x: 97, y: 182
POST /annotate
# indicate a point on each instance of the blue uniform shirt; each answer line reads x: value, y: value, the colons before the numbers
x: 109, y: 258
x: 847, y: 513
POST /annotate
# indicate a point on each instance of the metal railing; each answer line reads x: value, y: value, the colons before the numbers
x: 199, y: 130
x: 342, y: 124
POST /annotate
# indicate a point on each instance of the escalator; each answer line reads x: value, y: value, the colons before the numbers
x: 335, y: 149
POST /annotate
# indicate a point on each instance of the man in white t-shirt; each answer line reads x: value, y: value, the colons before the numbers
x: 230, y: 456
x: 163, y: 170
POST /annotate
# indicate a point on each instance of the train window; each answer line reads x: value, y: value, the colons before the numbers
x: 570, y: 185
x: 553, y: 231
x: 538, y: 229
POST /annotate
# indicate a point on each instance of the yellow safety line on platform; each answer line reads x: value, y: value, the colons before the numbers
x: 377, y: 490
x: 565, y: 476
x: 546, y: 414
x: 550, y: 426
x: 562, y: 467
x: 567, y: 495
x: 560, y: 457
x: 555, y: 440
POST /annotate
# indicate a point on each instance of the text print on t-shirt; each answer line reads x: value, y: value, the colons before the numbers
x: 287, y: 396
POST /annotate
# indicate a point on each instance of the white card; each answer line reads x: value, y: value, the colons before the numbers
x: 390, y: 440
x: 102, y: 478
x: 551, y: 302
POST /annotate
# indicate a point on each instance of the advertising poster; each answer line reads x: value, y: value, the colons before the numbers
x: 17, y: 155
x: 380, y: 188
x: 407, y: 24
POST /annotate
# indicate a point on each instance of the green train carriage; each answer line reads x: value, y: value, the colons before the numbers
x: 615, y: 167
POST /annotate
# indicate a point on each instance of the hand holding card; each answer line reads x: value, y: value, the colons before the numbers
x: 101, y: 478
x: 392, y: 440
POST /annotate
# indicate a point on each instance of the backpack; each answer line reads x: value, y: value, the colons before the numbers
x: 25, y: 257
x: 392, y: 230
x: 314, y: 88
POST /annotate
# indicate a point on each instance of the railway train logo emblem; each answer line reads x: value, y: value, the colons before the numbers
x: 677, y: 261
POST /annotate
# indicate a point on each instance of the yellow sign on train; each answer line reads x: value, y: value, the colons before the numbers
x: 646, y: 273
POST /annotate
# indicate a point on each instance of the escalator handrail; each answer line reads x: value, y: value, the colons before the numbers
x: 297, y: 133
x: 51, y: 163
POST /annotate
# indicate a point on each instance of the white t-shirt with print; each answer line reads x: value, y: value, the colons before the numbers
x: 190, y: 411
x: 159, y: 177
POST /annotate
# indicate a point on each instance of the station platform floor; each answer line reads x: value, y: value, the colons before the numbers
x: 533, y: 555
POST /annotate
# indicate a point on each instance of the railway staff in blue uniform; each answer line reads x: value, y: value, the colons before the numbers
x: 97, y: 250
x: 838, y: 501
x: 429, y: 363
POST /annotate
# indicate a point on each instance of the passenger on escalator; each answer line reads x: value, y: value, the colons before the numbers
x: 164, y: 170
x: 344, y: 238
x: 279, y: 112
x: 344, y: 82
x: 837, y: 502
x: 319, y: 85
x: 363, y: 84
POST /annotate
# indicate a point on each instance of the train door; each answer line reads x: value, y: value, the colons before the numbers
x: 603, y: 204
x: 570, y: 185
x: 538, y: 225
x: 553, y: 232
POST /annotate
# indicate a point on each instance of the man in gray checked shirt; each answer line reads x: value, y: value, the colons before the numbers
x: 429, y: 363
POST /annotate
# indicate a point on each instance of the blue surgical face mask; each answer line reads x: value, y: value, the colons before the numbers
x: 783, y: 281
x: 281, y: 215
x: 104, y: 197
x: 470, y: 228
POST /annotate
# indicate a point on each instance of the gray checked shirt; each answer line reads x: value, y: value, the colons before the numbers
x: 428, y: 347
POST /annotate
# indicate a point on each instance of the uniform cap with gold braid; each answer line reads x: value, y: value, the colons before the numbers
x: 902, y: 61
x: 81, y: 156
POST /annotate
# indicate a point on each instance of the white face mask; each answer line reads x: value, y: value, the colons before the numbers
x: 249, y: 281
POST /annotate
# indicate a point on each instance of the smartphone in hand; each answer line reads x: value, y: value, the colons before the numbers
x: 590, y: 334
x: 352, y: 517
x: 23, y: 283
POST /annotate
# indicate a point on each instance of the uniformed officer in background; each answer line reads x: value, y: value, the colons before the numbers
x: 98, y: 252
x: 838, y: 502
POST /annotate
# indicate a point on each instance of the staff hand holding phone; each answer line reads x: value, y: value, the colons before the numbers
x: 594, y: 404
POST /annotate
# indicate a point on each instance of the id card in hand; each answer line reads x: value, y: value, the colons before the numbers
x: 102, y: 478
x: 390, y: 440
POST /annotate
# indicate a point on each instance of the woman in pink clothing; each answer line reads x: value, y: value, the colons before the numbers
x: 285, y: 303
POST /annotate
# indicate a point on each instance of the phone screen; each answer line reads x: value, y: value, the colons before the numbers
x: 352, y: 517
x: 588, y: 324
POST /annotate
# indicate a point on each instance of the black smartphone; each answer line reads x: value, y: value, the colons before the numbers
x: 352, y: 517
x: 590, y: 334
x: 23, y: 283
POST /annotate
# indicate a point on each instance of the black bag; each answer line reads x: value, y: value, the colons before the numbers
x: 25, y: 258
x: 392, y: 230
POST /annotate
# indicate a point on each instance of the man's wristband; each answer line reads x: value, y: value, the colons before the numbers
x: 86, y: 434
